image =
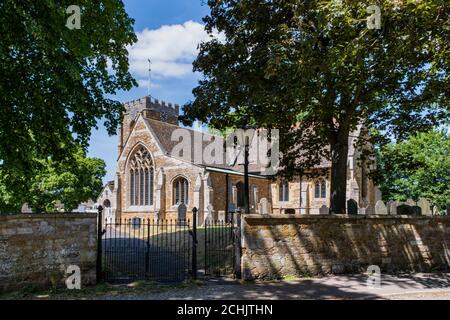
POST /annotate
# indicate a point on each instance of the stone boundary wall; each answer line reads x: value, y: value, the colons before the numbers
x: 36, y: 249
x: 276, y: 246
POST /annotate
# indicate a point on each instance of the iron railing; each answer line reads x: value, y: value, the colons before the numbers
x: 219, y: 248
x: 146, y: 250
x: 164, y: 250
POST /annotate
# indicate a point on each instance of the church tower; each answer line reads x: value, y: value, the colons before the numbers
x: 150, y: 108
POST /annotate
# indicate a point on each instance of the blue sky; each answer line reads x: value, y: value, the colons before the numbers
x: 168, y: 32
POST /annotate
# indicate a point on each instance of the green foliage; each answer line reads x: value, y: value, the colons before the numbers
x: 417, y: 167
x: 317, y: 65
x: 70, y: 182
x: 54, y: 81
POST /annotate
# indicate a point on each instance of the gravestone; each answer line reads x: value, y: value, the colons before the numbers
x: 221, y: 215
x: 157, y: 216
x: 210, y: 213
x: 264, y: 209
x: 417, y: 211
x: 370, y: 210
x: 392, y: 207
x: 410, y: 202
x: 435, y: 211
x: 362, y: 211
x: 352, y: 206
x: 136, y: 223
x: 425, y: 206
x: 182, y: 212
x: 407, y: 210
x: 380, y: 208
x: 324, y: 210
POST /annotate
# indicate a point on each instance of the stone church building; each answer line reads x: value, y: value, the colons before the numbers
x: 152, y: 182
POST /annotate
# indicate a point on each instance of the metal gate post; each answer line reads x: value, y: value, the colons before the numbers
x: 147, y: 252
x: 99, y: 244
x: 194, y: 243
x: 237, y: 246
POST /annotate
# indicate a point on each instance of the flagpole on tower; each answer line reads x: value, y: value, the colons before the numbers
x: 149, y: 76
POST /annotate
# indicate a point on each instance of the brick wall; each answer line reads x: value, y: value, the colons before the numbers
x: 278, y: 246
x: 35, y: 250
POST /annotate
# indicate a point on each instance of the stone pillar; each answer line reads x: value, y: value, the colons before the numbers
x: 118, y: 194
x: 197, y: 191
x: 160, y: 196
x: 255, y: 192
x: 208, y: 195
x: 304, y: 201
x: 234, y: 195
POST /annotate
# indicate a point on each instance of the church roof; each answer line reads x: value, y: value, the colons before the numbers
x: 164, y: 131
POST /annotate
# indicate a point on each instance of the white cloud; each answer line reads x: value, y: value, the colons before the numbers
x: 143, y: 83
x: 171, y: 48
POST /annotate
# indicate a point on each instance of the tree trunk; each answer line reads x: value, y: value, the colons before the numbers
x: 339, y: 158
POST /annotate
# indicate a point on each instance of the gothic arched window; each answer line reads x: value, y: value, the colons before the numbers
x: 180, y: 191
x: 320, y: 189
x: 141, y: 178
x: 283, y: 191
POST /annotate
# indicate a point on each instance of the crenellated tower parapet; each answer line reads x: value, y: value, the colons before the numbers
x: 150, y: 108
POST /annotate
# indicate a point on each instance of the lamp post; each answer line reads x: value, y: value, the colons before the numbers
x: 246, y: 182
x: 246, y: 164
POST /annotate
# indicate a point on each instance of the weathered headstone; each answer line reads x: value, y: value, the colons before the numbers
x: 407, y: 210
x: 380, y: 208
x: 404, y: 209
x: 434, y: 211
x: 157, y: 216
x: 410, y: 202
x: 425, y: 206
x: 392, y: 207
x: 352, y: 206
x: 362, y: 211
x: 136, y: 223
x: 370, y: 210
x: 210, y: 212
x: 324, y: 210
x: 264, y: 209
x: 182, y: 212
x: 417, y: 211
x: 221, y: 215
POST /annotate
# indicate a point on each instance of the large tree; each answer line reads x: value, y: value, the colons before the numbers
x: 417, y: 167
x: 71, y: 181
x: 54, y: 80
x: 316, y: 71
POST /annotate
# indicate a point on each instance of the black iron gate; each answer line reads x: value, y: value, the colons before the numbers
x: 145, y: 249
x: 165, y: 250
x: 219, y: 248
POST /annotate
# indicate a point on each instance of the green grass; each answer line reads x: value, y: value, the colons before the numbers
x: 289, y: 278
x: 103, y: 289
